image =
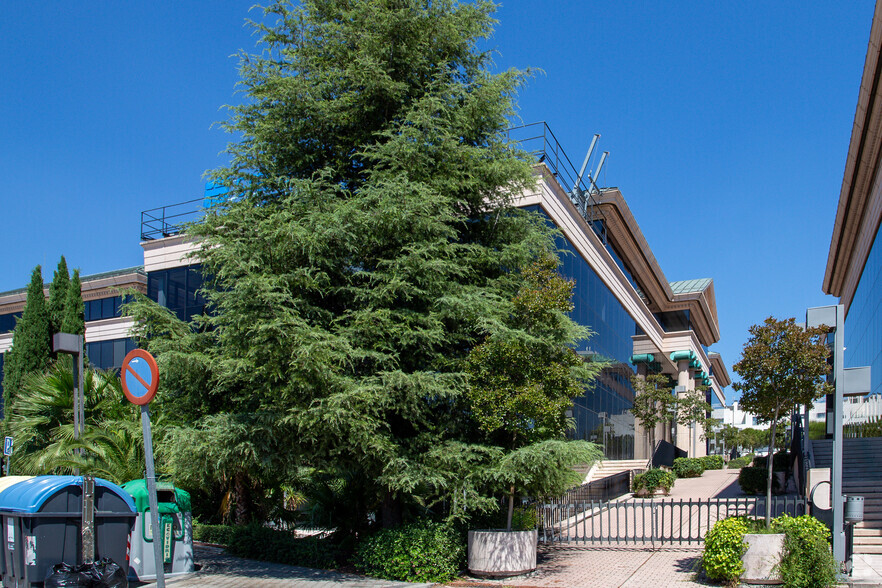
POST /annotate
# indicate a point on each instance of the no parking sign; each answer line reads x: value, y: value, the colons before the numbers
x: 140, y: 377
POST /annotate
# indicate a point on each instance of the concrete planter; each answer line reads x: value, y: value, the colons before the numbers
x: 495, y: 553
x: 763, y: 554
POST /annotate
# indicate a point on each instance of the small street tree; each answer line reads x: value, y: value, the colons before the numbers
x: 653, y: 401
x: 30, y: 342
x: 523, y: 379
x: 782, y: 366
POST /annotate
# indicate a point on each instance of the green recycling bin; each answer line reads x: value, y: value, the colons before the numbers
x: 175, y: 531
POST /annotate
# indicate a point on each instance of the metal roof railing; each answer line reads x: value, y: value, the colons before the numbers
x: 169, y: 220
x: 536, y: 139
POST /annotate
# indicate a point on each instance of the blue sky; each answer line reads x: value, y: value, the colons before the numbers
x: 728, y: 126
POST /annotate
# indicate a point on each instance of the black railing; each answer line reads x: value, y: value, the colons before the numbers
x: 167, y: 221
x: 602, y: 490
x: 649, y: 521
x: 535, y: 138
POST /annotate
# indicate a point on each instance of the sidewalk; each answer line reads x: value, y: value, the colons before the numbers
x: 220, y: 570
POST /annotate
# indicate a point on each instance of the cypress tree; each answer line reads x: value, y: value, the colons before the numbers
x: 58, y: 296
x: 31, y: 349
x: 74, y: 309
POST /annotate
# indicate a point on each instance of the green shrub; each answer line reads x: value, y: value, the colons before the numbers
x: 653, y: 479
x: 723, y: 547
x: 713, y: 462
x: 688, y: 467
x: 781, y: 462
x: 807, y: 561
x: 753, y: 480
x: 264, y: 544
x: 740, y: 462
x: 220, y: 534
x: 418, y: 552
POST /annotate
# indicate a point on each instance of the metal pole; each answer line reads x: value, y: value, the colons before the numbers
x: 836, y: 473
x: 151, y: 492
x: 88, y: 527
x: 82, y: 386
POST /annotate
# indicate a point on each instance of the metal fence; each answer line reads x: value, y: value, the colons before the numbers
x: 656, y: 522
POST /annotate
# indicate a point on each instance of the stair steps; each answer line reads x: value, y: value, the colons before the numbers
x: 862, y: 476
x: 611, y: 467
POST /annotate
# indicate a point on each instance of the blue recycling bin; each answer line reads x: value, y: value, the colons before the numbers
x: 42, y: 520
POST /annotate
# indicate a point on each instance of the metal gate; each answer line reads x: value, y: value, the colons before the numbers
x: 656, y: 522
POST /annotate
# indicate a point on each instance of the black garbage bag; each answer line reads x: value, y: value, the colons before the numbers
x: 67, y: 576
x: 104, y: 573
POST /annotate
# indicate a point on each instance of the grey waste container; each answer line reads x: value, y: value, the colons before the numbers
x: 176, y: 531
x: 42, y: 518
x: 6, y: 482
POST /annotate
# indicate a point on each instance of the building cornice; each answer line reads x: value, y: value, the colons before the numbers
x: 630, y: 243
x: 860, y: 203
x: 102, y: 286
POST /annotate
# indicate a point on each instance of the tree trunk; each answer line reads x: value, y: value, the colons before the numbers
x: 391, y: 511
x: 771, y: 466
x: 242, y: 513
x: 510, y: 507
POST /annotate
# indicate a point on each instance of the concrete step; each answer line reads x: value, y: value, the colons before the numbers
x: 869, y: 524
x: 866, y: 533
x: 867, y: 549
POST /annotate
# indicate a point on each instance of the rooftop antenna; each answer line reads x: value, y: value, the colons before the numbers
x: 597, y: 171
x: 577, y: 196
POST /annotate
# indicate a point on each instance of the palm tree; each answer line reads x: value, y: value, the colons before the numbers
x: 41, y: 422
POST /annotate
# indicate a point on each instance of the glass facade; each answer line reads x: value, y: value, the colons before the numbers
x: 178, y: 290
x: 863, y: 325
x: 602, y: 414
x: 104, y: 308
x: 109, y: 354
x: 7, y: 321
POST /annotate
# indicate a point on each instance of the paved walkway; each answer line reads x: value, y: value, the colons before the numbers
x: 560, y: 566
x: 220, y: 570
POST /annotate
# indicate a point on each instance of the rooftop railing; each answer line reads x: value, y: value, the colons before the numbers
x: 535, y: 138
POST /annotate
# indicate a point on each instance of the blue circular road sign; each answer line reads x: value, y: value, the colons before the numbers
x: 140, y: 377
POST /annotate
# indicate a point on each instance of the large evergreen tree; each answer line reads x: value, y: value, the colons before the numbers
x: 31, y: 347
x: 369, y: 242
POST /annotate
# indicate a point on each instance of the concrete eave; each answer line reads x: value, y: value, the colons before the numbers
x: 847, y: 255
x: 623, y: 230
x: 720, y: 371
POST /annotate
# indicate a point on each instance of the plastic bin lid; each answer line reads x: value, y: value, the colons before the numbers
x: 28, y: 496
x: 7, y: 481
x: 138, y: 490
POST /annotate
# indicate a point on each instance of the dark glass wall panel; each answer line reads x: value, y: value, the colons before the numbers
x: 863, y: 325
x: 602, y: 413
x: 7, y: 321
x: 107, y: 355
x: 178, y: 290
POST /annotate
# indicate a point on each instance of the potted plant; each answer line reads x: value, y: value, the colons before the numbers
x: 522, y: 380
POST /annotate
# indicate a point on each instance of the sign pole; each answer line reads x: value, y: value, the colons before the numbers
x: 151, y: 493
x: 140, y: 380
